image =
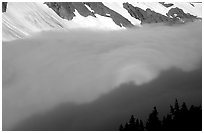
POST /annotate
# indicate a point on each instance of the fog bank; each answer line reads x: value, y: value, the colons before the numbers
x: 80, y: 65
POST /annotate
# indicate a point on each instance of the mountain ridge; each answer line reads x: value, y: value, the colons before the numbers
x: 174, y: 15
x: 23, y: 19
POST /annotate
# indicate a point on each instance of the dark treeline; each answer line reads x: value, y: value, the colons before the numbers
x: 180, y: 118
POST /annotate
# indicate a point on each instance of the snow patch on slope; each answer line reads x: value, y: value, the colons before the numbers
x: 188, y: 8
x: 90, y: 22
x: 159, y: 8
x: 118, y: 7
x: 155, y: 6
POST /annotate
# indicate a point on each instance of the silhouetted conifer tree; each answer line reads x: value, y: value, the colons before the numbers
x: 184, y: 108
x: 195, y: 116
x: 153, y: 122
x: 131, y: 124
x: 121, y: 127
x: 141, y: 126
x: 167, y: 123
x: 171, y: 110
x: 184, y: 117
x: 132, y: 119
x: 179, y: 119
x: 176, y: 117
x: 176, y: 106
x: 126, y: 127
x: 137, y: 124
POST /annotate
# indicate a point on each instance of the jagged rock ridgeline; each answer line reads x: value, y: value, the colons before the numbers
x: 147, y: 16
x: 174, y: 15
x: 178, y: 14
x: 67, y: 10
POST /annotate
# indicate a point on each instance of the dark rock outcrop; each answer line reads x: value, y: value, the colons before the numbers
x: 174, y: 16
x: 166, y: 4
x: 101, y: 9
x: 145, y: 16
x: 192, y: 4
x: 66, y: 10
x: 4, y: 6
x: 178, y: 13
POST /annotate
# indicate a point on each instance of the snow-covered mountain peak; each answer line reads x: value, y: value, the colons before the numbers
x: 21, y: 19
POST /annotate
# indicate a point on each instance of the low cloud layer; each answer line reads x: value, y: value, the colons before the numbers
x: 79, y: 66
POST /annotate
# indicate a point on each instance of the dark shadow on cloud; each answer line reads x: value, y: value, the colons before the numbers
x: 113, y: 108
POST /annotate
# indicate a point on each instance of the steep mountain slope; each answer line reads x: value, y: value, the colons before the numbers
x: 23, y: 19
x: 67, y: 10
x: 127, y: 14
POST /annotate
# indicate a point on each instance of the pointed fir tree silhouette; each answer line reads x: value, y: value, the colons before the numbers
x: 126, y: 127
x: 121, y: 127
x: 179, y: 118
x: 184, y: 108
x: 183, y: 117
x: 176, y: 106
x: 176, y: 116
x: 133, y: 125
x: 167, y: 123
x: 137, y: 124
x: 132, y: 119
x: 195, y: 116
x: 171, y: 110
x: 141, y: 126
x: 153, y: 122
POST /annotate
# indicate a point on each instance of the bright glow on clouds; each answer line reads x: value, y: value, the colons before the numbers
x: 80, y: 65
x: 136, y: 72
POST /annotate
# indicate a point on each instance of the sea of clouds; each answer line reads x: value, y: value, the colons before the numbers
x: 78, y: 66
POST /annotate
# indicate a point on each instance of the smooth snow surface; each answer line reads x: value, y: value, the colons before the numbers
x: 90, y: 22
x: 25, y: 18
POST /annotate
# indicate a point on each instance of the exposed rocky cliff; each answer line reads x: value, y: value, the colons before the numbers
x: 178, y: 14
x: 174, y: 15
x: 145, y: 16
x: 67, y: 10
